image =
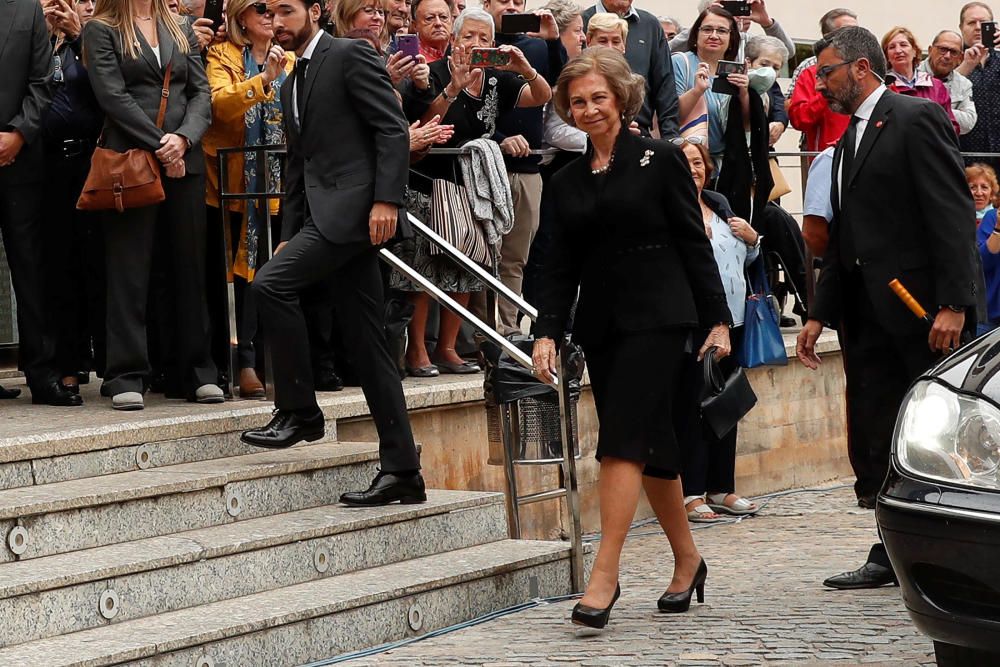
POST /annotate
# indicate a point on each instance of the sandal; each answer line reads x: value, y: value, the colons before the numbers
x: 700, y: 513
x: 739, y: 507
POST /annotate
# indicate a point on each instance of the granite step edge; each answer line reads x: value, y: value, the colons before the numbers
x: 178, y: 478
x: 173, y: 631
x: 115, y: 560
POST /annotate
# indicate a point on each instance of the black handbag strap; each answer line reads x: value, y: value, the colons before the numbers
x: 712, y: 374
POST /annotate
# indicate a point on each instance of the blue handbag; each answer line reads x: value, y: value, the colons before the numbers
x: 762, y: 341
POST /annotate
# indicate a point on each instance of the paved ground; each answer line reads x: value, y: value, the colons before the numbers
x: 764, y: 604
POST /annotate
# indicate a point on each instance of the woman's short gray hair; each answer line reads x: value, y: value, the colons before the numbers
x: 474, y: 14
x: 564, y: 11
x: 761, y: 44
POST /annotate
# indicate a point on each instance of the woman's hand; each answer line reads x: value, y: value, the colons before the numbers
x: 774, y: 132
x: 172, y: 148
x: 431, y: 133
x: 702, y: 79
x: 274, y: 65
x: 742, y: 230
x: 543, y: 358
x: 462, y: 74
x: 421, y: 74
x: 202, y: 29
x: 518, y: 62
x: 718, y: 338
x: 741, y: 81
x: 60, y: 16
x: 400, y: 66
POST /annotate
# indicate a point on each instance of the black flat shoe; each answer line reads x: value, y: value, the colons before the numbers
x: 869, y: 575
x: 286, y: 429
x: 678, y: 603
x: 387, y: 488
x: 592, y: 617
x: 55, y: 394
x: 329, y: 382
x: 9, y: 393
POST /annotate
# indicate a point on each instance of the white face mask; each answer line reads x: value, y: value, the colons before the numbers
x: 762, y: 78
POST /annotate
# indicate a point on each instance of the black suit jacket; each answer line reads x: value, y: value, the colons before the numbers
x: 351, y: 146
x: 129, y: 91
x: 26, y: 57
x: 906, y: 210
x: 634, y: 243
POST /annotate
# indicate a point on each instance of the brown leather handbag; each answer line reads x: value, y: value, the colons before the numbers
x: 119, y: 181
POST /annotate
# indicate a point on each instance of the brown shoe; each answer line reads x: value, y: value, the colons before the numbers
x: 250, y: 384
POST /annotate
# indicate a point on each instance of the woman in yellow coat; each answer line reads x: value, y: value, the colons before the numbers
x: 245, y: 73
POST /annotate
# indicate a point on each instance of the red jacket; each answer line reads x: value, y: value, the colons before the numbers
x: 929, y: 88
x: 811, y: 115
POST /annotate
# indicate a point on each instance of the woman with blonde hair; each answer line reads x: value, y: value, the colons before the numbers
x: 245, y: 74
x: 627, y: 223
x: 605, y: 29
x: 131, y: 47
x: 368, y: 15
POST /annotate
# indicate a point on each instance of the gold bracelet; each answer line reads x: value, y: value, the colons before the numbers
x: 532, y: 78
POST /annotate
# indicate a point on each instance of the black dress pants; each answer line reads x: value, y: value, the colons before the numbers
x: 172, y: 234
x: 880, y: 366
x: 20, y: 224
x: 352, y: 271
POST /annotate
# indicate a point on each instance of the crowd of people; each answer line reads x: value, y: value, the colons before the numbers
x: 556, y: 127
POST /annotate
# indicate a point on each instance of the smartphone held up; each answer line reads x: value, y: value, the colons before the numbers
x: 489, y: 58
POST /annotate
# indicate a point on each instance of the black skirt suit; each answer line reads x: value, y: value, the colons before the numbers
x: 633, y: 242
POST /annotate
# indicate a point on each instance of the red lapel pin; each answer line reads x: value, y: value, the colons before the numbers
x: 879, y: 124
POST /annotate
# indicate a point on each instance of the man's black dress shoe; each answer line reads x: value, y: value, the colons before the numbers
x: 328, y: 381
x: 286, y: 429
x: 9, y: 393
x: 592, y: 617
x: 388, y: 487
x: 869, y: 575
x: 54, y: 394
x: 868, y: 501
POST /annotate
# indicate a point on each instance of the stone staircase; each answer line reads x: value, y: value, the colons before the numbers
x: 142, y: 544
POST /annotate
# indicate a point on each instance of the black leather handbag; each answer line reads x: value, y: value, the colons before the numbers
x: 724, y: 400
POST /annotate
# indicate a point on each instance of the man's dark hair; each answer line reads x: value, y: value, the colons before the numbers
x: 826, y: 24
x: 854, y: 43
x: 324, y: 15
x: 733, y: 52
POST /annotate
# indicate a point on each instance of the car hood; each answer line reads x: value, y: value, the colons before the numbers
x: 973, y: 368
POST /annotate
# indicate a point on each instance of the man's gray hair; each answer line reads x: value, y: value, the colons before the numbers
x: 854, y: 43
x: 763, y: 43
x: 474, y: 14
x: 826, y: 24
x: 946, y: 32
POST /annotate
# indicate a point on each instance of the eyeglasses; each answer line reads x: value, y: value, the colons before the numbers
x: 261, y: 8
x: 954, y: 53
x: 827, y: 70
x: 695, y: 140
x: 708, y: 30
x: 373, y: 11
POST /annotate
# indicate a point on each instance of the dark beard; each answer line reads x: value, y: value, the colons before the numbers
x: 301, y: 38
x: 846, y: 102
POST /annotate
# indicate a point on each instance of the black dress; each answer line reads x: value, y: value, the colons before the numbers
x: 632, y: 241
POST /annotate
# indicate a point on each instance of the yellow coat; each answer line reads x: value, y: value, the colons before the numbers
x: 232, y: 96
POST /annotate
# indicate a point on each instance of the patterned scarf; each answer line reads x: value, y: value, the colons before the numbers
x: 263, y: 127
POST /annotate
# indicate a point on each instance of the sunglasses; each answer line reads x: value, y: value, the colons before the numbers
x: 260, y: 8
x: 694, y: 141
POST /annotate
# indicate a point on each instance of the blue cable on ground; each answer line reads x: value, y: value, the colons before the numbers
x: 538, y: 602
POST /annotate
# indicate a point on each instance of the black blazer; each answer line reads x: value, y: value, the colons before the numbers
x: 353, y: 147
x: 634, y: 243
x: 907, y: 212
x: 129, y: 91
x: 26, y: 54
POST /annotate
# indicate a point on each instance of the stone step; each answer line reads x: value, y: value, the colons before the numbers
x: 79, y: 514
x: 313, y: 620
x: 86, y: 589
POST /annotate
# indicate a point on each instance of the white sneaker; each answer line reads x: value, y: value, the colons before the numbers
x: 209, y: 393
x: 127, y: 400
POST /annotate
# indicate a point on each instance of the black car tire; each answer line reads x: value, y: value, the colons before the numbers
x: 949, y: 655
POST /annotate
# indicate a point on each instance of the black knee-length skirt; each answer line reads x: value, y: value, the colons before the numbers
x: 635, y: 378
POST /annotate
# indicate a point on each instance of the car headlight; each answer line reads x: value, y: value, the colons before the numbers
x: 948, y: 436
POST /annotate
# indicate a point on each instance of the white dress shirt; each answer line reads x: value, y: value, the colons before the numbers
x: 864, y: 114
x: 308, y: 53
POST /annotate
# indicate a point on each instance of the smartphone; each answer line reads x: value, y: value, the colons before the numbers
x: 721, y: 84
x: 511, y: 24
x: 736, y: 7
x: 213, y: 11
x: 489, y: 58
x: 408, y: 45
x: 989, y: 29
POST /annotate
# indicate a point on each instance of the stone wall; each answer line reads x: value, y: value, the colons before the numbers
x: 794, y: 437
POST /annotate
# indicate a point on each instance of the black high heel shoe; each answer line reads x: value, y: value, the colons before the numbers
x: 593, y: 617
x: 678, y: 603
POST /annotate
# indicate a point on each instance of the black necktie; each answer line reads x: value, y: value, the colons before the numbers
x: 850, y: 147
x: 848, y: 251
x: 300, y: 86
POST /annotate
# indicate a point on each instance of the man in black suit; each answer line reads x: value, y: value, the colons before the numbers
x: 348, y: 161
x: 26, y: 54
x: 901, y: 210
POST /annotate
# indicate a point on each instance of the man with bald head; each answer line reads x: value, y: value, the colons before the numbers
x: 943, y: 58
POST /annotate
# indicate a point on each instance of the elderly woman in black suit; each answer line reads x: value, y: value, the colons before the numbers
x: 128, y: 45
x: 628, y: 234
